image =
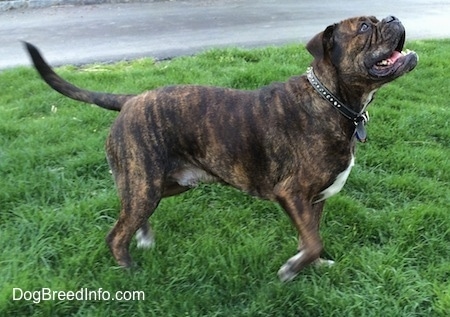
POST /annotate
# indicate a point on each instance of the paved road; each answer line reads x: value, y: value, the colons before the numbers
x: 104, y: 33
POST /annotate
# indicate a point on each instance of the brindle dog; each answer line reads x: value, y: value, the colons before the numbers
x: 290, y: 142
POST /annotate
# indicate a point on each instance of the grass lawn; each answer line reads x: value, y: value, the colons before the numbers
x: 218, y: 250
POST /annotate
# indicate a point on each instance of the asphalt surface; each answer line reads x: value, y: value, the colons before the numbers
x: 112, y: 32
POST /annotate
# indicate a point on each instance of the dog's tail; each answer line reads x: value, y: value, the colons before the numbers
x: 104, y: 100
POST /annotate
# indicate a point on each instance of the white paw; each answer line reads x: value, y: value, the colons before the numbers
x: 323, y: 263
x: 286, y: 273
x: 144, y: 241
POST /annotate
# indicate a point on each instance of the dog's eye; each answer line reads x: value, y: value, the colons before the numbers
x: 364, y: 27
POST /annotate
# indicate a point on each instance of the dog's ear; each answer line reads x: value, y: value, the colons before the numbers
x: 321, y: 43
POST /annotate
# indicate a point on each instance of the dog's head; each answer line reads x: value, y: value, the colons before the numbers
x: 364, y: 49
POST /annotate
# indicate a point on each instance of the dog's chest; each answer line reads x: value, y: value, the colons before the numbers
x: 338, y: 183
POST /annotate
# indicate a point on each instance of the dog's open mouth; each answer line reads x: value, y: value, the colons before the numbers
x: 391, y: 60
x: 394, y: 63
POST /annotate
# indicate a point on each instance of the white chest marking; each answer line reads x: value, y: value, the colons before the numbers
x: 368, y: 100
x: 338, y: 183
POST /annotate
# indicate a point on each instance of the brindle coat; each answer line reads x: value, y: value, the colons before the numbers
x: 282, y: 142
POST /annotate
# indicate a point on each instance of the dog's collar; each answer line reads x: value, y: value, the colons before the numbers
x: 359, y: 119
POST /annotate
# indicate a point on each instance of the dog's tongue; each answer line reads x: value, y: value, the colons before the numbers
x: 395, y: 55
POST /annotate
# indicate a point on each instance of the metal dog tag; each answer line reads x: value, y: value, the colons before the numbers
x: 361, y: 133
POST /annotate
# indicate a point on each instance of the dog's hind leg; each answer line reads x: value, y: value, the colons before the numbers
x: 306, y: 220
x: 144, y: 235
x: 139, y: 199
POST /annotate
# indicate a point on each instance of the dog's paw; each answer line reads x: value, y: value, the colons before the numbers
x: 288, y: 272
x: 323, y: 263
x: 144, y: 240
x: 285, y: 274
x: 291, y: 268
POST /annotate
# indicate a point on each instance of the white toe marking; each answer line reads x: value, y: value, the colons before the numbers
x: 323, y: 263
x: 285, y: 273
x: 144, y: 241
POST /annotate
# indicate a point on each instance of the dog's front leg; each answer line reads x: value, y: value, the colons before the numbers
x: 317, y: 212
x: 306, y: 219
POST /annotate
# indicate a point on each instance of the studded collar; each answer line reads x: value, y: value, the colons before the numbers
x: 359, y: 119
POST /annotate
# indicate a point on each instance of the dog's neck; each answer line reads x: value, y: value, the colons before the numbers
x: 358, y: 118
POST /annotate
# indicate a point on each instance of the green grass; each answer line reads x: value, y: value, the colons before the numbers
x: 217, y: 249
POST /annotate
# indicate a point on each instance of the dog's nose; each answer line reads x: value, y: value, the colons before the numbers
x: 390, y: 19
